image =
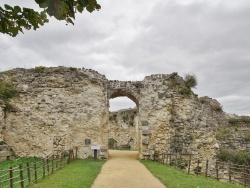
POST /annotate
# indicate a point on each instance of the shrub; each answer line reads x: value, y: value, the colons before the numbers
x: 190, y: 80
x: 247, y: 136
x: 232, y: 121
x: 236, y: 157
x: 217, y: 108
x: 223, y: 133
x: 7, y: 91
x: 245, y: 119
x: 202, y: 100
x: 185, y: 91
x: 40, y: 69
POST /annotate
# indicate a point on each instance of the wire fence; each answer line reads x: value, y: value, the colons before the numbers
x: 26, y: 174
x: 224, y: 171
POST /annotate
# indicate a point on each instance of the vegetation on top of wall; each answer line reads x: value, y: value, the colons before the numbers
x: 7, y: 91
x: 185, y: 91
x: 203, y: 100
x: 241, y: 119
x: 217, y: 107
x: 223, y: 133
x: 190, y: 80
x: 236, y: 157
x: 43, y: 69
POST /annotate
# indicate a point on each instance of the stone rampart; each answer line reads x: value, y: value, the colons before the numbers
x: 59, y: 108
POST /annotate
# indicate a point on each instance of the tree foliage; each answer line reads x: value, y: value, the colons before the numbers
x: 14, y: 19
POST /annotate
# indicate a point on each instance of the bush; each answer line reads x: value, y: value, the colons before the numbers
x: 202, y: 100
x: 190, y: 80
x: 6, y: 92
x: 247, y: 136
x: 223, y: 133
x: 217, y: 108
x: 236, y: 157
x: 39, y: 69
x: 185, y: 91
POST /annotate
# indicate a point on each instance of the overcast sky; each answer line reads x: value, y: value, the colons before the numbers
x: 127, y: 40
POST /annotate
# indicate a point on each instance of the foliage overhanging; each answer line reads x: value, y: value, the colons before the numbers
x: 14, y: 19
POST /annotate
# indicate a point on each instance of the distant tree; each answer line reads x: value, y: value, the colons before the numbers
x: 14, y: 19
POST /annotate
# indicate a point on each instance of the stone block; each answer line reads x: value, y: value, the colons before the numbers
x: 161, y: 95
x: 5, y: 153
x: 145, y: 132
x: 145, y: 141
x: 144, y: 123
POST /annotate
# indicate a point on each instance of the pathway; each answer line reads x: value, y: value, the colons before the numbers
x: 123, y: 170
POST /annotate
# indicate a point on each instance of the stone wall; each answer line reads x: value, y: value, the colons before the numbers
x: 59, y: 108
x: 1, y: 119
x: 123, y: 127
x: 56, y: 109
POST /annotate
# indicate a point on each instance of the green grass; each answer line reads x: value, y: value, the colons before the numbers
x: 78, y: 174
x: 173, y: 178
x: 5, y: 166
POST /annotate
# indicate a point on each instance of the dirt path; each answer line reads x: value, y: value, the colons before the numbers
x: 123, y: 170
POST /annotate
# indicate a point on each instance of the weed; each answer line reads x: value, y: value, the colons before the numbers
x: 223, y: 133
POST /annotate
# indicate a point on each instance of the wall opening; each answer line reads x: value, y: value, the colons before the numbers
x: 123, y: 124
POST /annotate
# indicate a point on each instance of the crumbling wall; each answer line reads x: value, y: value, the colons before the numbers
x: 56, y: 109
x: 123, y: 128
x: 59, y: 108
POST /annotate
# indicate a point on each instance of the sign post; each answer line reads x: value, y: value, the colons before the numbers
x: 95, y: 148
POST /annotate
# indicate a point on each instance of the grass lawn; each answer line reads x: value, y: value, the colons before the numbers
x: 173, y: 178
x: 78, y: 174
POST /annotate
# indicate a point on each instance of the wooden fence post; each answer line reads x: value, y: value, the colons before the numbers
x: 21, y: 175
x: 189, y: 163
x: 76, y: 152
x: 229, y: 172
x: 35, y: 171
x: 44, y: 163
x: 28, y: 172
x: 69, y: 157
x: 47, y: 165
x: 52, y: 164
x: 198, y: 167
x: 217, y: 170
x: 61, y: 158
x: 11, y: 177
x: 206, y: 168
x: 245, y: 175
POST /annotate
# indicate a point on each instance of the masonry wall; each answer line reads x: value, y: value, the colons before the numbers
x: 123, y: 127
x: 56, y: 109
x: 59, y: 108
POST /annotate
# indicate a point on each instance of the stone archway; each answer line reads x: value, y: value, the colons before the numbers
x: 130, y: 90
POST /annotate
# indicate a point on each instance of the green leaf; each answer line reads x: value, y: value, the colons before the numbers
x: 79, y: 8
x: 70, y: 21
x: 17, y: 9
x: 90, y: 8
x: 42, y: 3
x: 8, y: 7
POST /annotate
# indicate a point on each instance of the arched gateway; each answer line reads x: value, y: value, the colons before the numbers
x: 59, y: 108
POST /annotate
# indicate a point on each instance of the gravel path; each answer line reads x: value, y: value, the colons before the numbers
x: 123, y: 170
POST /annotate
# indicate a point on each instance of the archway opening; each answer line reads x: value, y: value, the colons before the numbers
x: 123, y: 124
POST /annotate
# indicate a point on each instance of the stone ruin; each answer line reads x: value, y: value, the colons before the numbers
x: 60, y: 108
